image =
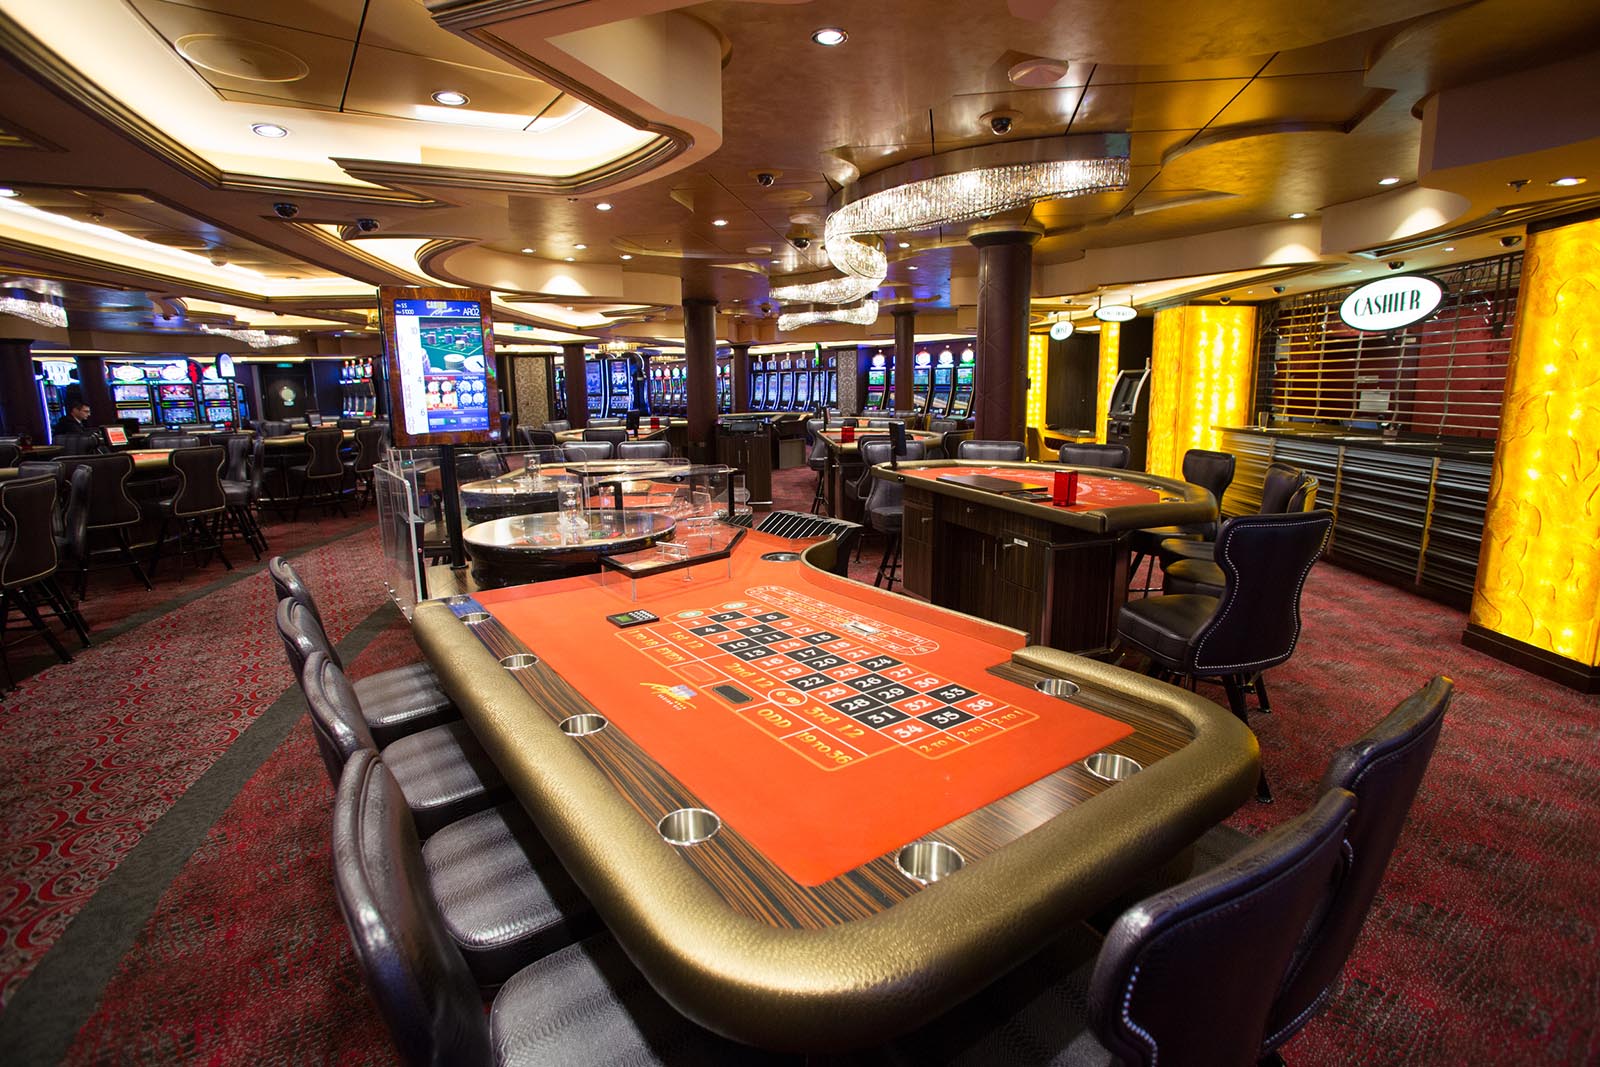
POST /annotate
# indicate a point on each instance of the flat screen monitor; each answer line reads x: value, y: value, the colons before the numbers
x: 116, y: 436
x: 219, y: 412
x: 180, y: 414
x: 314, y: 419
x: 176, y: 392
x: 144, y: 416
x: 124, y: 394
x: 215, y: 392
x: 438, y: 347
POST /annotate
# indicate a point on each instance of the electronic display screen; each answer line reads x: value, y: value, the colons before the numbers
x: 215, y: 392
x: 139, y: 394
x: 439, y: 358
x: 116, y: 435
x: 142, y: 414
x: 176, y: 392
x: 176, y: 413
x: 219, y: 412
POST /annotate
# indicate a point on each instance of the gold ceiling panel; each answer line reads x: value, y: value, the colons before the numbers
x: 334, y: 18
x: 1324, y: 98
x: 1038, y: 113
x: 1154, y: 105
x: 385, y: 82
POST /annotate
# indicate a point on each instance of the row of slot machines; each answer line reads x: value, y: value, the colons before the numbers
x: 942, y: 385
x: 177, y: 403
x: 359, y: 386
x: 610, y: 385
x: 669, y: 387
x: 794, y: 383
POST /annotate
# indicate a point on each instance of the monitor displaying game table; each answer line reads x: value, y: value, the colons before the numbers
x: 438, y: 347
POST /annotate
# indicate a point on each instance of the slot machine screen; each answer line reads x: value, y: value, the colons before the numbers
x: 593, y: 385
x: 219, y: 412
x: 180, y: 414
x: 215, y: 392
x: 439, y: 352
x: 176, y: 393
x: 143, y: 415
x: 124, y: 394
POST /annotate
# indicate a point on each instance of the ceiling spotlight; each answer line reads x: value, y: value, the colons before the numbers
x: 627, y: 255
x: 912, y: 267
x: 830, y: 36
x: 450, y: 97
x: 1297, y: 214
x: 602, y: 206
x: 580, y: 247
x: 719, y: 222
x: 8, y: 193
x: 905, y: 244
x: 1449, y: 248
x: 527, y: 251
x: 268, y: 129
x: 569, y: 259
x: 1389, y: 181
x: 1564, y: 182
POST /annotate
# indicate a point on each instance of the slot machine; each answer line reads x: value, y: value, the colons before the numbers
x: 921, y: 375
x: 558, y: 401
x: 658, y: 388
x: 877, y: 382
x: 177, y: 404
x: 785, y: 384
x: 758, y: 385
x: 680, y: 387
x: 833, y: 381
x: 132, y: 394
x: 966, y: 377
x: 943, y: 382
x: 594, y: 381
x: 217, y: 398
x: 724, y: 386
x: 619, y: 390
x: 59, y: 375
x: 802, y: 384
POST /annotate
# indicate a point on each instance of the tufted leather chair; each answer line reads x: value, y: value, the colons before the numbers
x: 394, y: 703
x: 1254, y: 625
x: 586, y: 451
x: 1188, y: 566
x: 883, y: 504
x: 286, y: 582
x: 111, y: 508
x: 196, y: 507
x: 585, y: 1003
x: 644, y: 450
x: 324, y: 471
x: 1115, y: 457
x: 1011, y: 451
x: 613, y: 434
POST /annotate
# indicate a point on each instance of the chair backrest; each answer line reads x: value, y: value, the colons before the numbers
x: 943, y: 425
x: 1116, y: 457
x: 53, y: 469
x: 348, y: 424
x: 1213, y: 472
x: 644, y: 450
x: 274, y: 428
x: 78, y: 444
x: 110, y: 505
x: 75, y: 517
x: 369, y: 447
x: 1384, y: 769
x: 237, y: 446
x: 169, y: 440
x: 324, y: 443
x: 9, y: 454
x: 607, y: 423
x: 558, y: 425
x: 336, y: 718
x: 27, y: 515
x: 1287, y: 488
x: 424, y: 991
x: 583, y: 451
x: 1264, y: 561
x: 615, y: 435
x: 1002, y: 450
x: 289, y: 585
x: 1187, y: 977
x: 257, y: 468
x: 536, y: 438
x: 302, y: 635
x: 199, y: 473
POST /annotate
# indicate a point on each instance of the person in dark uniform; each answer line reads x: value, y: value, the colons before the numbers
x: 75, y: 419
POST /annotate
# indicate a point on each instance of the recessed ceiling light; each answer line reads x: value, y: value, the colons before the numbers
x: 912, y: 267
x: 905, y: 244
x: 774, y: 262
x: 8, y: 193
x: 1297, y: 214
x: 1569, y: 181
x: 268, y: 129
x: 829, y: 36
x: 527, y: 251
x: 719, y: 222
x: 1389, y: 181
x: 450, y: 97
x: 1449, y: 248
x: 580, y: 247
x: 625, y: 255
x: 569, y: 259
x: 602, y: 206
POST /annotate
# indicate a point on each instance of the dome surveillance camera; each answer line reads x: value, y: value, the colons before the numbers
x: 1280, y: 288
x: 1226, y: 299
x: 1510, y: 241
x: 1000, y: 125
x: 765, y: 178
x: 285, y: 210
x: 1396, y: 264
x: 802, y: 243
x: 367, y: 225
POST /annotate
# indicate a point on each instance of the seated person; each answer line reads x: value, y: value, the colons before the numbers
x: 74, y: 420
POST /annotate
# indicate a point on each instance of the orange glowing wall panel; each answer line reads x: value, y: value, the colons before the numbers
x: 1202, y: 365
x: 1110, y: 344
x: 1539, y: 567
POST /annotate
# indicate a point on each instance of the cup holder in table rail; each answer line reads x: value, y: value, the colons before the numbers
x: 1111, y: 767
x: 472, y: 618
x: 1057, y: 687
x: 518, y: 661
x: 458, y: 599
x: 928, y: 861
x: 582, y: 725
x: 688, y: 826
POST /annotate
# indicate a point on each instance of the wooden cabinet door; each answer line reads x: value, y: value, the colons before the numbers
x: 917, y: 546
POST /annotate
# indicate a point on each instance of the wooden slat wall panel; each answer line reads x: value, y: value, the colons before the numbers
x: 1461, y: 492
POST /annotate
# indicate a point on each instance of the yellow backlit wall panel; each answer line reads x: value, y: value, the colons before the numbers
x: 1539, y: 568
x: 1110, y: 343
x: 1038, y: 357
x: 1202, y: 363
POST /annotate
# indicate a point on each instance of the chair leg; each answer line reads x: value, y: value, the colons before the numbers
x: 126, y: 548
x: 819, y: 498
x: 1263, y: 705
x: 889, y: 562
x: 5, y: 661
x: 66, y: 610
x: 155, y: 552
x: 299, y: 500
x: 31, y: 611
x: 1235, y: 685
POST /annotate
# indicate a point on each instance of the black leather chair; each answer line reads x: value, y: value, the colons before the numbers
x: 275, y: 428
x: 1010, y: 451
x: 170, y: 440
x: 558, y: 425
x: 28, y: 563
x: 369, y: 450
x: 817, y: 460
x: 1284, y: 488
x: 243, y: 494
x: 1115, y: 457
x: 644, y: 450
x: 112, y: 511
x: 583, y: 1004
x: 72, y: 543
x: 394, y: 703
x: 1189, y: 977
x: 883, y: 504
x: 586, y: 451
x: 324, y: 471
x: 349, y: 424
x: 1383, y: 768
x: 531, y: 437
x: 609, y: 422
x: 78, y: 444
x: 443, y: 771
x: 614, y: 435
x: 1211, y: 471
x: 10, y: 453
x: 197, y: 507
x: 1254, y: 625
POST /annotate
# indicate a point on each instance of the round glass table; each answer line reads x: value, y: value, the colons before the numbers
x: 508, y: 495
x: 532, y: 548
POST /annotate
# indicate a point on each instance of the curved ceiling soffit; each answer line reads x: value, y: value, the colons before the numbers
x: 434, y: 259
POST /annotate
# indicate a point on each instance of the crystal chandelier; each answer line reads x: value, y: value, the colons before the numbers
x: 35, y: 307
x: 863, y: 314
x: 253, y: 338
x: 939, y: 201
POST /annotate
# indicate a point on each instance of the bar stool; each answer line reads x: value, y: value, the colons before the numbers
x: 198, y: 505
x: 28, y: 563
x: 324, y: 468
x: 111, y: 510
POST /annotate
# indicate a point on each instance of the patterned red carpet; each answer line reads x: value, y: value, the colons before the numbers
x: 1482, y: 947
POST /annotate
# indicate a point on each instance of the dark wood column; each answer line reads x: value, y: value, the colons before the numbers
x: 1005, y: 280
x: 739, y: 367
x: 700, y: 357
x: 21, y: 406
x: 577, y: 386
x: 96, y: 390
x: 905, y: 344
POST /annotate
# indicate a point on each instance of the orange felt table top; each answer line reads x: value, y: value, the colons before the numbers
x: 1094, y: 492
x: 827, y: 722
